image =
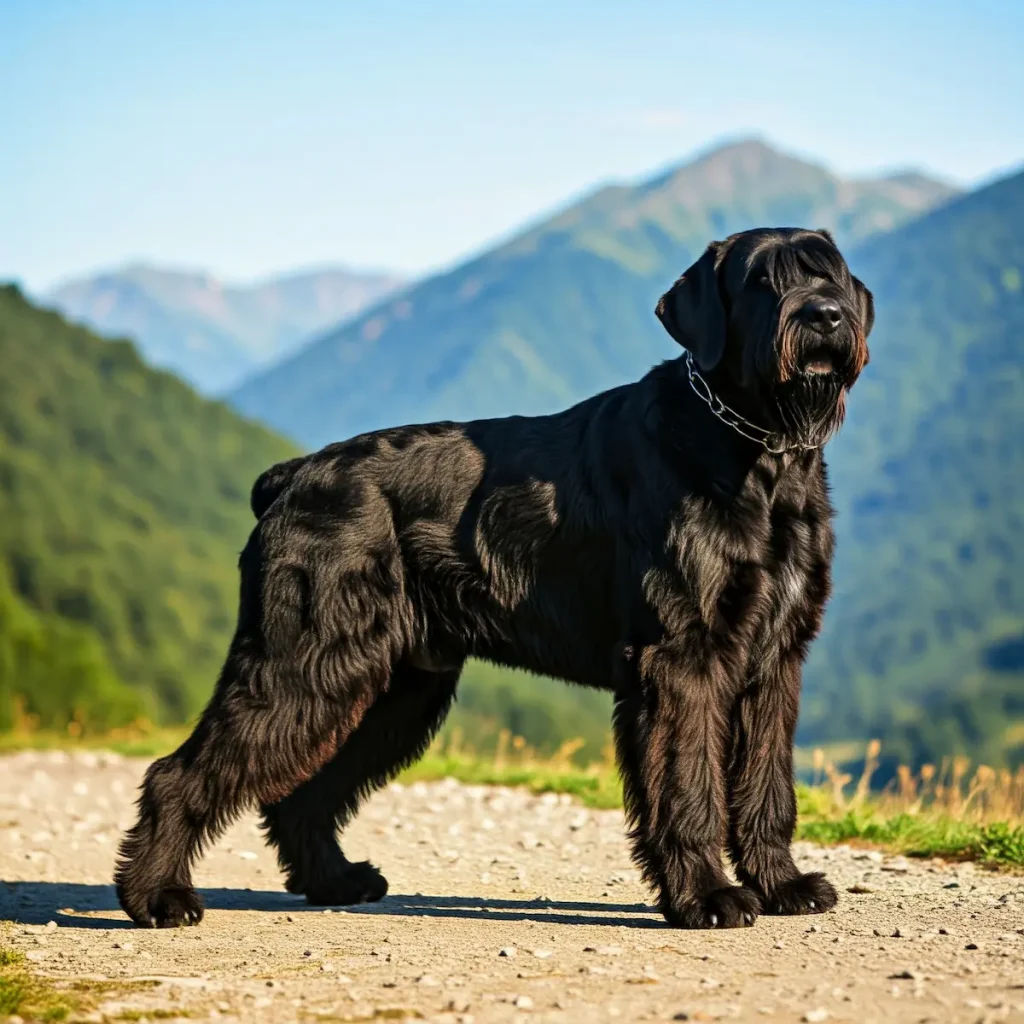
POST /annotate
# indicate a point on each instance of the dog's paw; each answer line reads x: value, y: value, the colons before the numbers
x: 806, y: 894
x: 357, y: 883
x: 733, y: 906
x: 168, y: 907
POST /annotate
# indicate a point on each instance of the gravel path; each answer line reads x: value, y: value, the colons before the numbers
x: 503, y: 907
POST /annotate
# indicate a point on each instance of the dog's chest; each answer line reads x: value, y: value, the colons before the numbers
x: 752, y: 569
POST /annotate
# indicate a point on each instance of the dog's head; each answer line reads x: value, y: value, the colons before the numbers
x: 776, y: 316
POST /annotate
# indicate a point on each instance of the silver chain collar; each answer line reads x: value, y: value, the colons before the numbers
x: 771, y: 441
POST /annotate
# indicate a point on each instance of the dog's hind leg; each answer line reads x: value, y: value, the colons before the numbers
x: 304, y: 826
x: 670, y: 730
x: 245, y: 750
x: 309, y: 658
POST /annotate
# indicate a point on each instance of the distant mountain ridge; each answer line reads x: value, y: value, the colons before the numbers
x: 563, y: 309
x: 211, y: 333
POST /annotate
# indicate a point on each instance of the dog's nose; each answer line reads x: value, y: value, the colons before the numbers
x: 822, y: 315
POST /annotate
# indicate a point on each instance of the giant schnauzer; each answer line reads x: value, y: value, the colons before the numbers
x: 668, y: 540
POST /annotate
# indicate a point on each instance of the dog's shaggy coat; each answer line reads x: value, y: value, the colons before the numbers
x: 635, y: 542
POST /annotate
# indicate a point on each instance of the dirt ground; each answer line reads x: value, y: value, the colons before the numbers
x: 503, y: 907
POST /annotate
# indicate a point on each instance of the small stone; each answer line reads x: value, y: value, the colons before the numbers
x: 859, y: 890
x: 523, y: 1003
x: 813, y: 1016
x: 942, y: 931
x: 246, y: 855
x: 710, y: 982
x: 428, y: 981
x: 896, y: 934
x: 126, y: 946
x: 509, y: 951
x: 951, y: 885
x: 903, y: 975
x: 51, y: 926
x: 971, y: 945
x: 542, y: 954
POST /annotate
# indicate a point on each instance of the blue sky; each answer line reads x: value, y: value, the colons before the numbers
x: 247, y: 138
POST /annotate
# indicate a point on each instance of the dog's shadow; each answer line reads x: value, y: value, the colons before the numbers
x: 67, y: 903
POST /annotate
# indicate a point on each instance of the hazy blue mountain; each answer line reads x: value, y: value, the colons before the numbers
x: 211, y: 333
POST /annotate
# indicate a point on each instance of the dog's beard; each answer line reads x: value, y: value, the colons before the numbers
x: 811, y: 407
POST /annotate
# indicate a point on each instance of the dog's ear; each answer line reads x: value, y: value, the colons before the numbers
x: 866, y: 302
x: 692, y: 312
x: 828, y: 235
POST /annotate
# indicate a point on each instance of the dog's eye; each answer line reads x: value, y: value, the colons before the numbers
x: 764, y: 279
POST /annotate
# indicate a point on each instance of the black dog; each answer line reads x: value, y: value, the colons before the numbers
x: 669, y: 540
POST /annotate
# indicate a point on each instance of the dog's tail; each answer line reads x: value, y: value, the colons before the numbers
x: 271, y: 483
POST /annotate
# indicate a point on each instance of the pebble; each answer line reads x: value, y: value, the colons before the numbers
x: 812, y: 1016
x: 246, y: 854
x: 542, y: 954
x: 509, y: 951
x: 523, y: 1003
x: 872, y: 855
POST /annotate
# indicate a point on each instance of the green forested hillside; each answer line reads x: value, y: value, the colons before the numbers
x: 928, y: 479
x: 123, y: 505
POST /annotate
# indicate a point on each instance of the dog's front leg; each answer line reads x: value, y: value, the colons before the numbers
x: 762, y: 801
x: 670, y: 730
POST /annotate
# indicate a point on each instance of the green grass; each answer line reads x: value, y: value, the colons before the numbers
x: 996, y: 844
x: 24, y: 995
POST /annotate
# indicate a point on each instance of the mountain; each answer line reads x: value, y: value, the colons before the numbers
x: 564, y: 309
x: 213, y: 334
x: 924, y: 638
x: 923, y: 643
x: 123, y: 506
